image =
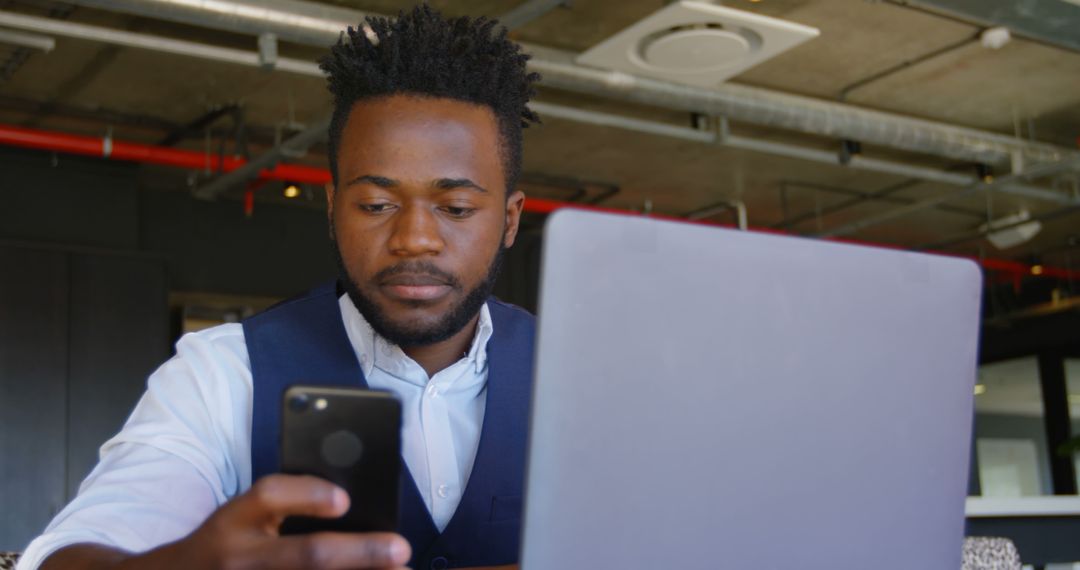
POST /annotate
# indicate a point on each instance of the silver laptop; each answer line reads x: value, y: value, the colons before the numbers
x: 707, y: 398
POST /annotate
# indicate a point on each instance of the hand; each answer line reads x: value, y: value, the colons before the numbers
x: 243, y: 533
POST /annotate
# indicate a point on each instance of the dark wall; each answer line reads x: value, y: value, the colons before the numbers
x: 33, y: 396
x: 211, y: 246
x: 79, y: 333
x: 207, y: 246
x: 68, y: 200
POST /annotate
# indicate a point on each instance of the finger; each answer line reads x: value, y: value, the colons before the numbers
x: 335, y: 550
x: 278, y: 496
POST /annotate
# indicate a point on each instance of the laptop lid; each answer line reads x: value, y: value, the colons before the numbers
x: 710, y: 398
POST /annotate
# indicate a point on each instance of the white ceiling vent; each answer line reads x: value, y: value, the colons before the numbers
x: 696, y: 43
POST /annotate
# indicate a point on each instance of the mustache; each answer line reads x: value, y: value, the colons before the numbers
x: 419, y: 268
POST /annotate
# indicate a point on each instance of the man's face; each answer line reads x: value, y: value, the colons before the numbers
x: 420, y: 216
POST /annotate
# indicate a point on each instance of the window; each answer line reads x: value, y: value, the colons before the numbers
x: 1010, y: 434
x: 1072, y: 384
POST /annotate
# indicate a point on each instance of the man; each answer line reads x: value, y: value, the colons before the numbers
x: 425, y: 148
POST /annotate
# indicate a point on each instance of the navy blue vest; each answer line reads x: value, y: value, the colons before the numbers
x: 303, y: 340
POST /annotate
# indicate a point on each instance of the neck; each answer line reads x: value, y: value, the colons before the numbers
x: 440, y: 355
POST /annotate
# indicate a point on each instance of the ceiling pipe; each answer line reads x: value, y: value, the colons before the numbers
x: 307, y: 23
x: 181, y: 47
x: 921, y: 205
x: 154, y: 43
x: 622, y: 122
x: 314, y: 133
x: 319, y: 25
x: 33, y: 41
x: 106, y: 147
x: 251, y: 59
x: 722, y: 136
x: 802, y: 114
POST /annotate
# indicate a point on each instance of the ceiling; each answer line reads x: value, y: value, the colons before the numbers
x: 930, y: 66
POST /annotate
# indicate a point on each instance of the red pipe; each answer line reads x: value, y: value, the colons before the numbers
x: 105, y: 147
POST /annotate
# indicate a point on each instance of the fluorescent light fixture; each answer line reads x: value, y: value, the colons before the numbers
x: 1012, y: 232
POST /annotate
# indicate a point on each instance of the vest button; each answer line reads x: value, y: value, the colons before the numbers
x: 439, y: 563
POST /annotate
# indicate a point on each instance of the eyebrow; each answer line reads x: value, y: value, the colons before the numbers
x: 380, y: 181
x: 440, y: 184
x: 454, y: 183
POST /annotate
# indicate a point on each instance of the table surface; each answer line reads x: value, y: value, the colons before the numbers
x: 1022, y: 506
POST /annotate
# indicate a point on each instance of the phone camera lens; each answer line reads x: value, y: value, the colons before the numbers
x: 298, y: 403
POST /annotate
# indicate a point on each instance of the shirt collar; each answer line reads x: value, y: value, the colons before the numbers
x: 370, y: 347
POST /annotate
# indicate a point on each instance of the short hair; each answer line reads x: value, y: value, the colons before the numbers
x: 424, y: 54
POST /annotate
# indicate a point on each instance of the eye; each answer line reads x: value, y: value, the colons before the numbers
x: 458, y: 212
x: 379, y: 208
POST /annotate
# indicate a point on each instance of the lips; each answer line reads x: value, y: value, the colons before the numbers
x: 415, y: 287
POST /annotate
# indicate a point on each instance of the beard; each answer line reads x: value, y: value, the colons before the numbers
x: 418, y: 334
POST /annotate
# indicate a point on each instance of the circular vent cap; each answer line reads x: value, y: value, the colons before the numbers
x: 695, y: 42
x: 697, y: 49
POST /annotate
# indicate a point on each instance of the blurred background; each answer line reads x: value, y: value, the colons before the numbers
x: 162, y: 166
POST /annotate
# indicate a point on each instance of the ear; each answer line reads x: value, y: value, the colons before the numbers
x: 514, y: 206
x: 329, y: 187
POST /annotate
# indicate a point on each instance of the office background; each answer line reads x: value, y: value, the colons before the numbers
x: 105, y: 261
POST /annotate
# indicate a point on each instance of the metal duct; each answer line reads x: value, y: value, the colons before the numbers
x: 318, y: 24
x: 155, y: 43
x: 804, y: 114
x: 229, y: 55
x: 813, y: 155
x: 305, y: 23
x: 33, y: 41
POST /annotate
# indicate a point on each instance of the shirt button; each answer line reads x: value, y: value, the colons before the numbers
x: 439, y: 563
x: 443, y: 491
x: 432, y: 390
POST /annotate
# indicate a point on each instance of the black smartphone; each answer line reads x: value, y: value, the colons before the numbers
x: 351, y: 437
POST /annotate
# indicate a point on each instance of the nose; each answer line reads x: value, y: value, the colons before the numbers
x: 416, y: 233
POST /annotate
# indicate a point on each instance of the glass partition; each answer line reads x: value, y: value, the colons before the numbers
x: 1010, y: 434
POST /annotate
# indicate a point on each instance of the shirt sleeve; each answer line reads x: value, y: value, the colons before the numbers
x: 184, y: 451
